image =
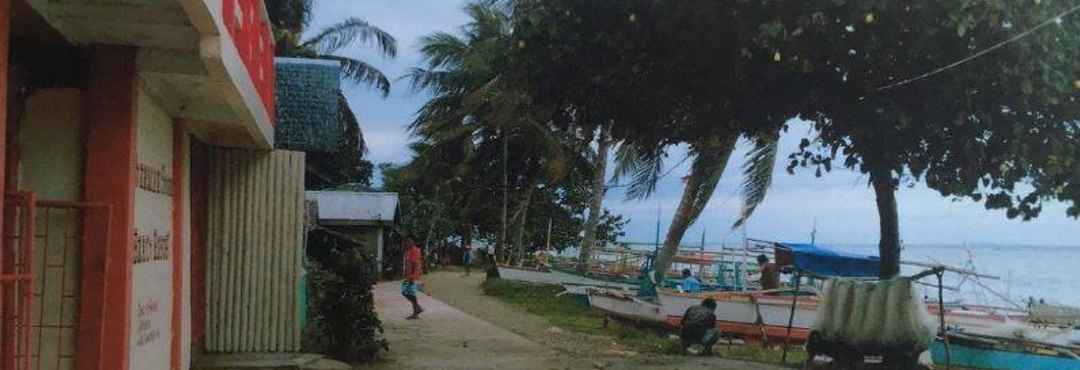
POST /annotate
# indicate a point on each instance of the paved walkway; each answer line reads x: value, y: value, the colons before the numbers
x: 446, y: 338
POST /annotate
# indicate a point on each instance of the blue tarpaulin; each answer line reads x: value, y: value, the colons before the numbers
x: 830, y: 262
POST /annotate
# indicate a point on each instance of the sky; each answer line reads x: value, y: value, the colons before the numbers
x: 840, y: 203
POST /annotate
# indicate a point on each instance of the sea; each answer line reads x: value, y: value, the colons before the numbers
x: 1021, y: 273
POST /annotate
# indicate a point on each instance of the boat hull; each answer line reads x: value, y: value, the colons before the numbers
x: 627, y: 307
x: 737, y: 314
x: 558, y: 278
x: 993, y: 359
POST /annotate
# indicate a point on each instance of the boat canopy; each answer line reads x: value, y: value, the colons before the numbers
x: 824, y: 261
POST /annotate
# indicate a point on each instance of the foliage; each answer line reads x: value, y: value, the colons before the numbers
x: 461, y: 132
x: 993, y: 129
x: 343, y: 322
x: 290, y: 19
x: 999, y: 125
x: 997, y: 131
x: 649, y: 70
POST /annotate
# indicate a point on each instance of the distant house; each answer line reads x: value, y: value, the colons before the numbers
x: 364, y: 217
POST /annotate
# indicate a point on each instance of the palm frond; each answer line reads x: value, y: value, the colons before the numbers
x: 757, y: 175
x: 335, y: 37
x: 489, y: 20
x: 436, y: 82
x: 360, y: 72
x: 643, y: 167
x: 443, y: 50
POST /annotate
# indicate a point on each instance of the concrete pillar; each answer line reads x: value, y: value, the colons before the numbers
x: 105, y: 317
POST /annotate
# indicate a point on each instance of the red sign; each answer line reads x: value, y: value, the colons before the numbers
x: 250, y: 30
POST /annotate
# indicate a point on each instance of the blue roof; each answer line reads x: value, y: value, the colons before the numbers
x: 830, y: 262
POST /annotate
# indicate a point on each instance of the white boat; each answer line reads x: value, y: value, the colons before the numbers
x: 625, y: 305
x: 737, y: 313
x: 576, y: 284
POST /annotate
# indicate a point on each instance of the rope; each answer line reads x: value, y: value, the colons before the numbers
x: 984, y: 51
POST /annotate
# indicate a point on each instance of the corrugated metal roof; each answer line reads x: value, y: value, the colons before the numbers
x: 354, y: 208
x: 308, y: 112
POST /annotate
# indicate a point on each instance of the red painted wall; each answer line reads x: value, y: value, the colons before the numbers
x: 178, y: 243
x: 5, y: 41
x: 199, y: 171
x: 253, y: 38
x: 110, y: 178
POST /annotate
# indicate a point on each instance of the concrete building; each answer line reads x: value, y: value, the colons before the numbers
x: 147, y: 218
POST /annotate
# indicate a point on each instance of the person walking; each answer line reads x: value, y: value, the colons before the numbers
x: 466, y: 257
x: 413, y: 267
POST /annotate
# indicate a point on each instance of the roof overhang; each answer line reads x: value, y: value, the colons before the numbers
x: 209, y: 63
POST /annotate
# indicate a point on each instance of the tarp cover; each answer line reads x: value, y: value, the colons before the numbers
x: 829, y: 262
x: 881, y: 315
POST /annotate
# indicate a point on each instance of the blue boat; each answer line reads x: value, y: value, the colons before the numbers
x: 992, y: 353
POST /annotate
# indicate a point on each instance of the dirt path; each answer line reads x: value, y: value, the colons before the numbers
x: 464, y: 329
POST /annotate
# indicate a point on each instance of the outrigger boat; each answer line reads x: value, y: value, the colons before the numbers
x: 757, y: 315
x: 974, y: 351
x: 764, y: 315
x: 1047, y: 338
x: 629, y: 305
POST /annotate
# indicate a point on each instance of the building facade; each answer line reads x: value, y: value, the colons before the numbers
x: 137, y: 142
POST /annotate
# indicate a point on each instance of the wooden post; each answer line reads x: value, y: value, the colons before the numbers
x: 941, y: 318
x: 791, y: 318
x: 7, y: 333
x: 547, y: 244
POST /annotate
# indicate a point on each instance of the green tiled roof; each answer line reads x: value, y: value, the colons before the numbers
x: 308, y: 113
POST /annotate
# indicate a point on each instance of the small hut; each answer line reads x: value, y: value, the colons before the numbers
x: 364, y: 217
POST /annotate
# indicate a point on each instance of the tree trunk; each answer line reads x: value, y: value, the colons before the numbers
x: 889, y: 244
x: 501, y: 245
x: 597, y: 201
x: 521, y: 216
x: 704, y: 176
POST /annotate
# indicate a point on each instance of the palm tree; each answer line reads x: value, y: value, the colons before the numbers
x: 710, y: 157
x: 473, y: 111
x: 290, y: 19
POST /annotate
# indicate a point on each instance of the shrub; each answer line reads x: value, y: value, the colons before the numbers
x: 342, y: 320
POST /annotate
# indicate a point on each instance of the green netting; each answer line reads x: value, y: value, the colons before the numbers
x: 884, y: 314
x: 309, y: 117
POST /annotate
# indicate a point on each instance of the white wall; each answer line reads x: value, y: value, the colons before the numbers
x: 151, y: 321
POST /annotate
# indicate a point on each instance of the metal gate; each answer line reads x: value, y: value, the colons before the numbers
x: 17, y: 281
x: 39, y: 296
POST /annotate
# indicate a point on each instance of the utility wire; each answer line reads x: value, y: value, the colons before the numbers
x: 971, y: 57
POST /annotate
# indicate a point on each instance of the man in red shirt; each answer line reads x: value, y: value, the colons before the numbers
x: 413, y: 266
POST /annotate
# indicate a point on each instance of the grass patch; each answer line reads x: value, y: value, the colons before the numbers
x: 572, y: 313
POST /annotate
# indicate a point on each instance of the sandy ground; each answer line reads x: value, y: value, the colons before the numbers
x: 462, y: 328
